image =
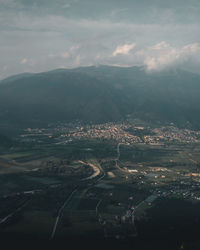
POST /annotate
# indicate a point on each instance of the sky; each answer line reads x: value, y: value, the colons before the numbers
x: 41, y: 35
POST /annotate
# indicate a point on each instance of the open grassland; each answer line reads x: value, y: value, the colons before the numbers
x: 38, y: 223
x: 140, y: 171
x: 7, y: 167
x: 78, y: 224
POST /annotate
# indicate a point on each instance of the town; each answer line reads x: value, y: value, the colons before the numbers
x: 125, y: 133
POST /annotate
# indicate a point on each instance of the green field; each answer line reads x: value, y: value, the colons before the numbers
x: 38, y: 223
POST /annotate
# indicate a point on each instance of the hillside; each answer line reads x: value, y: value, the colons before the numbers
x: 5, y: 142
x: 100, y: 94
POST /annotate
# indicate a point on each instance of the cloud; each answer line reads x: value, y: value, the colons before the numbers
x: 124, y: 49
x: 51, y: 55
x: 70, y: 52
x: 115, y: 12
x: 24, y: 61
x: 32, y: 62
x: 163, y: 55
x: 159, y: 56
x: 53, y: 36
x: 65, y: 55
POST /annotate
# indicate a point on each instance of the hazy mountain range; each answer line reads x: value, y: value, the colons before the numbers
x: 100, y: 94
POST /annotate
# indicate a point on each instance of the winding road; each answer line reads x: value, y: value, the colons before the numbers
x: 96, y: 173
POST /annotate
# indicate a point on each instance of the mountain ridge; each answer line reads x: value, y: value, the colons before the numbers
x: 101, y: 94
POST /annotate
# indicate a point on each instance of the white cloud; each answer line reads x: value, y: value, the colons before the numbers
x: 70, y: 52
x: 72, y: 42
x: 163, y: 55
x: 24, y: 61
x: 160, y: 46
x: 192, y: 47
x: 65, y: 55
x: 124, y: 49
x: 77, y: 61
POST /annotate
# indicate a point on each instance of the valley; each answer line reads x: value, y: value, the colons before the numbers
x: 103, y: 182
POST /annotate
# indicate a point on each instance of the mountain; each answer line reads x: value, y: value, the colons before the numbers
x: 100, y: 94
x: 5, y: 142
x: 16, y: 77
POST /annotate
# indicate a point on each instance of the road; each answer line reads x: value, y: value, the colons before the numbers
x: 118, y: 151
x: 71, y: 195
x: 117, y: 159
x: 133, y: 217
x: 97, y: 206
x: 11, y: 214
x: 60, y: 213
x: 118, y: 156
x: 96, y: 170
